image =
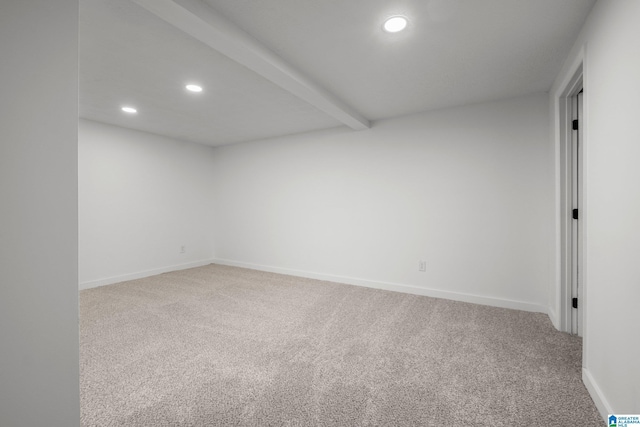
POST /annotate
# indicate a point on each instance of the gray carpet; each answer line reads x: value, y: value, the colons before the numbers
x: 224, y: 346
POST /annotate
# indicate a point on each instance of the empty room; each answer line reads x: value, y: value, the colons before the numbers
x: 304, y: 212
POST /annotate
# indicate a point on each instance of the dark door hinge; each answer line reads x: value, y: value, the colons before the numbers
x: 575, y: 214
x: 575, y: 124
x: 574, y: 302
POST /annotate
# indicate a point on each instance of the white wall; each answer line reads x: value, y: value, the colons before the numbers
x: 39, y: 364
x: 141, y: 197
x: 468, y: 189
x: 610, y: 46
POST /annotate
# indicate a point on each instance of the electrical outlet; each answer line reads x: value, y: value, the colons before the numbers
x: 422, y: 265
x: 183, y: 249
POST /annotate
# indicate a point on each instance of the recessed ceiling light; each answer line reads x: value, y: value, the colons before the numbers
x: 395, y: 24
x: 193, y: 88
x: 129, y: 110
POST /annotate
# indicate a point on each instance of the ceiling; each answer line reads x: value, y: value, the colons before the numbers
x: 277, y: 67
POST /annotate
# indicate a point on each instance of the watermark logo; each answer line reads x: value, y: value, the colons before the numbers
x: 623, y: 420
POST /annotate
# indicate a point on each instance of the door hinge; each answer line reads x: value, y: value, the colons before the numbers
x: 575, y: 124
x: 575, y: 214
x: 574, y: 303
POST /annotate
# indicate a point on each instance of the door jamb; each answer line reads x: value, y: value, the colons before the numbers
x: 572, y: 87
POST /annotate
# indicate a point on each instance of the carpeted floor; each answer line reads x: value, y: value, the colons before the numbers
x: 224, y: 346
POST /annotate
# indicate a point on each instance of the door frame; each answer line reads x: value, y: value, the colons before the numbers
x: 576, y: 203
x: 564, y: 194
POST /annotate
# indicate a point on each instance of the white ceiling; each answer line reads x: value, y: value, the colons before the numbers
x: 278, y: 67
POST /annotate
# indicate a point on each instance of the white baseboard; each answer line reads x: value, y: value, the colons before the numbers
x: 395, y: 287
x: 604, y: 408
x: 141, y: 274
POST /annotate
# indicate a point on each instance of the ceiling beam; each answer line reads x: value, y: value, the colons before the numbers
x: 200, y: 21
